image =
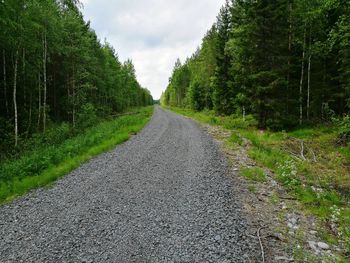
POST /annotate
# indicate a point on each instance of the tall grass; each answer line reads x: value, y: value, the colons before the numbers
x: 47, y: 163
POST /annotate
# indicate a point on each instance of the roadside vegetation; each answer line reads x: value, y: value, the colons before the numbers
x: 63, y: 93
x: 63, y: 149
x: 312, y: 164
x: 284, y: 62
x: 56, y: 72
x: 276, y: 73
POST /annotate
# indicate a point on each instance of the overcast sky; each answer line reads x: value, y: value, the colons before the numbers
x: 153, y: 33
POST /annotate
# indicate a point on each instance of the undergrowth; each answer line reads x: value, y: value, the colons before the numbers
x: 308, y: 162
x: 48, y: 162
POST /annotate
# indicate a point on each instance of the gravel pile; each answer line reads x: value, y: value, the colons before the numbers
x: 163, y: 196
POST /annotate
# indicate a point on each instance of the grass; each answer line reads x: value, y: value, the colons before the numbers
x: 320, y: 180
x: 254, y: 174
x: 46, y: 164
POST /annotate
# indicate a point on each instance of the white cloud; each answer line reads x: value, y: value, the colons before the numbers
x: 153, y: 33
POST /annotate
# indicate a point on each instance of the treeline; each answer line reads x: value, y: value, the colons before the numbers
x: 55, y: 70
x: 287, y: 62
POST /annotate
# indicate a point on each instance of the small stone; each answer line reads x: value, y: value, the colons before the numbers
x: 323, y: 245
x: 293, y: 220
x: 217, y: 238
x: 313, y: 245
x: 292, y: 226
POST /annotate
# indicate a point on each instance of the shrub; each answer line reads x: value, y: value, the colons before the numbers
x: 236, y: 138
x: 87, y: 116
x: 233, y: 122
x: 343, y: 125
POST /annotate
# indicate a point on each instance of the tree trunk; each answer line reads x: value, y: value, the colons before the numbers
x: 289, y: 53
x: 5, y: 83
x: 73, y: 97
x: 15, y: 97
x: 244, y: 113
x: 308, y: 80
x: 39, y: 101
x: 302, y: 80
x: 45, y: 80
x: 73, y: 110
x: 308, y: 88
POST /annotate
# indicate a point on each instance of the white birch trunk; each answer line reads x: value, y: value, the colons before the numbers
x: 308, y: 87
x: 23, y: 76
x: 309, y: 80
x: 15, y: 97
x: 5, y: 82
x: 244, y: 113
x: 39, y: 101
x: 302, y: 80
x: 73, y: 97
x: 45, y: 80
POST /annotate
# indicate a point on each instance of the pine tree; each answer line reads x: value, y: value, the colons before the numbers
x: 222, y: 91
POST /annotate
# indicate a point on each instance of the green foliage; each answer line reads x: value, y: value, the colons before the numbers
x: 284, y: 62
x: 254, y: 174
x: 64, y: 74
x: 47, y: 162
x: 87, y: 116
x: 343, y: 125
x: 236, y: 138
x: 234, y: 122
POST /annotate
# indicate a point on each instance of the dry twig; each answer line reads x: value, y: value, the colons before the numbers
x: 314, y: 155
x: 302, y: 150
x: 261, y: 245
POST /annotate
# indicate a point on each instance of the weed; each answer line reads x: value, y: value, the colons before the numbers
x: 236, y: 139
x: 254, y: 174
x: 275, y: 198
x: 252, y: 188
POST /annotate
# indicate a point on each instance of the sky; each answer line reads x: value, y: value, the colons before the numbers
x: 152, y: 33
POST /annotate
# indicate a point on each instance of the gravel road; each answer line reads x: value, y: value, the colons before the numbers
x: 163, y: 196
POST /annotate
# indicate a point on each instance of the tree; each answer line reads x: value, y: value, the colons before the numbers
x: 222, y: 91
x: 58, y: 71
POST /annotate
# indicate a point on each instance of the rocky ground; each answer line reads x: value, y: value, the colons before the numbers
x: 166, y: 195
x: 287, y: 233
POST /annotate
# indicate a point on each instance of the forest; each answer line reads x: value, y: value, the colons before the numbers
x: 56, y: 73
x: 274, y: 78
x: 285, y: 62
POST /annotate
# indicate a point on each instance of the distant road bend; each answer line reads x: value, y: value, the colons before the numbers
x: 163, y: 196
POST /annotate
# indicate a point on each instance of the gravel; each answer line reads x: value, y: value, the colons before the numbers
x: 163, y: 196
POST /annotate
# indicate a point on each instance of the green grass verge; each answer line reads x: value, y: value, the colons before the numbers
x: 46, y: 164
x: 254, y: 174
x: 320, y: 182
